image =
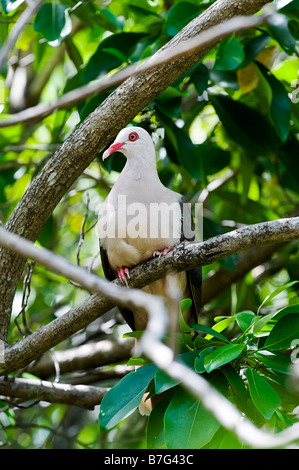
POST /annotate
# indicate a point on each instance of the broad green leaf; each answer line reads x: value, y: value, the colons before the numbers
x: 263, y: 395
x: 230, y: 54
x: 280, y: 109
x: 253, y: 47
x: 261, y: 322
x: 110, y: 54
x: 53, y: 21
x: 287, y: 70
x: 163, y: 382
x: 199, y: 361
x: 225, y: 79
x: 222, y: 355
x: 279, y: 30
x: 291, y: 9
x: 245, y: 125
x: 188, y: 425
x: 279, y: 362
x: 200, y: 78
x: 178, y: 16
x: 213, y: 158
x: 245, y: 319
x: 155, y: 426
x: 283, y: 333
x: 184, y: 305
x: 236, y: 383
x: 124, y: 398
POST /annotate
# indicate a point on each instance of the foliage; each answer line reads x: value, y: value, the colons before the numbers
x: 231, y: 124
x: 251, y: 369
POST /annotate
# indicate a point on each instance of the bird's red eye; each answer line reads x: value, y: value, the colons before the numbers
x: 133, y: 136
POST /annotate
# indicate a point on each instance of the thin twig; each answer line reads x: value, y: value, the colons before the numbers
x: 17, y: 30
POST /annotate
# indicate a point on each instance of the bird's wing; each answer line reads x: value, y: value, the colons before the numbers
x: 110, y: 275
x: 194, y: 276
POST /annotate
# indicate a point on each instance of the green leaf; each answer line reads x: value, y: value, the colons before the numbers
x: 199, y: 361
x: 184, y: 305
x: 213, y: 158
x: 210, y: 331
x: 200, y: 78
x: 53, y: 21
x: 278, y: 362
x: 276, y: 291
x: 253, y: 47
x: 110, y: 54
x: 245, y: 125
x: 230, y: 54
x: 279, y: 30
x: 283, y: 333
x: 124, y: 398
x: 291, y: 9
x: 162, y: 380
x: 188, y: 425
x: 178, y: 16
x: 280, y: 109
x: 263, y: 395
x: 222, y: 324
x: 222, y: 355
x: 236, y: 382
x: 245, y: 319
x: 155, y: 426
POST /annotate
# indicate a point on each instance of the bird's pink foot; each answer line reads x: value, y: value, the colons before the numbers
x: 123, y: 274
x: 161, y: 253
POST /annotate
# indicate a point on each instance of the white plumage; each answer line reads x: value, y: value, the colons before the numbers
x: 141, y: 217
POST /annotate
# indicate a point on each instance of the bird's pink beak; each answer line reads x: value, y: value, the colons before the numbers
x: 113, y: 148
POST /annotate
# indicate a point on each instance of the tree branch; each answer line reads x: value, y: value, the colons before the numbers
x: 85, y: 357
x: 28, y: 389
x: 223, y: 278
x: 17, y: 30
x: 184, y: 256
x: 150, y: 343
x: 82, y: 146
x: 165, y: 55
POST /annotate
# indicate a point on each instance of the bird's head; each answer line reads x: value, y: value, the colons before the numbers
x: 131, y: 141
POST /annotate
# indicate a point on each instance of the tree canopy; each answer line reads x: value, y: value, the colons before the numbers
x: 225, y: 121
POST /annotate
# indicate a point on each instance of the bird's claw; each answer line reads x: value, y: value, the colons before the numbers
x: 161, y: 253
x: 124, y: 274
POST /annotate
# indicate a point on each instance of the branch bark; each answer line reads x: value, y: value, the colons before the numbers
x: 95, y: 133
x: 85, y: 357
x: 32, y: 389
x: 183, y: 257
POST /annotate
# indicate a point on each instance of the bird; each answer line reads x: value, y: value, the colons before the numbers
x: 141, y: 219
